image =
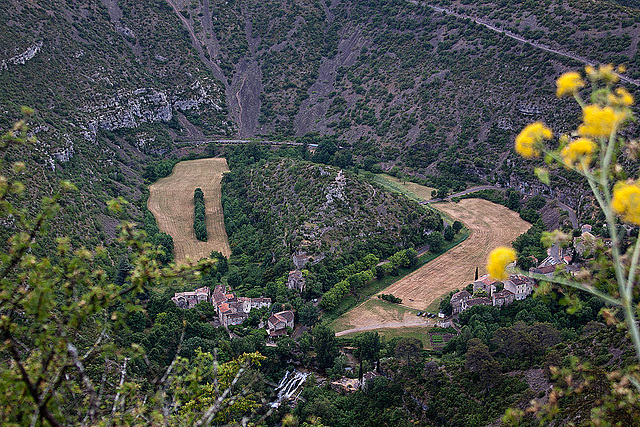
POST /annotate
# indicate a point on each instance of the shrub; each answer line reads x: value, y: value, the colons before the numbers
x: 199, y: 224
x: 390, y: 298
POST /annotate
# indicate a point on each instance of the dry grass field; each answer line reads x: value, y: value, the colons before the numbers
x: 410, y: 189
x: 378, y: 314
x: 491, y: 225
x: 171, y: 202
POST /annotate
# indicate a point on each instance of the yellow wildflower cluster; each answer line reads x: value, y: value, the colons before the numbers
x: 599, y: 121
x: 531, y: 136
x: 626, y: 202
x: 578, y: 151
x: 568, y: 84
x: 622, y: 98
x: 604, y: 73
x: 498, y: 260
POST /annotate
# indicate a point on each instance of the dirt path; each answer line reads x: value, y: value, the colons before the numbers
x: 491, y: 225
x: 171, y: 202
x: 388, y: 325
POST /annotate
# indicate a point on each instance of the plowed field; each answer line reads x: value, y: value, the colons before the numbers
x: 171, y: 202
x: 491, y: 225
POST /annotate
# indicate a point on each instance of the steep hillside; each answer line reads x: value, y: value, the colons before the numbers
x: 434, y: 89
x: 100, y: 76
x: 288, y: 206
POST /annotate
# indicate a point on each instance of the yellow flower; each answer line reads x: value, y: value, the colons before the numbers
x: 607, y: 74
x: 626, y: 202
x: 530, y: 137
x: 604, y: 73
x: 498, y: 260
x: 599, y: 121
x: 590, y: 71
x: 623, y: 98
x: 568, y: 84
x: 578, y: 150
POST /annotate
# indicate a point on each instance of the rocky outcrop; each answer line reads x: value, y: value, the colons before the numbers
x: 23, y: 57
x: 128, y: 109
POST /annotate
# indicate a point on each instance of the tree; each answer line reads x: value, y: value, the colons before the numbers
x: 324, y: 342
x: 480, y: 361
x: 449, y: 234
x: 165, y: 243
x: 513, y: 200
x: 368, y: 347
x: 525, y: 340
x: 457, y: 226
x: 308, y: 314
x: 199, y: 219
x: 124, y: 267
x: 445, y: 306
x: 409, y: 348
x: 222, y: 266
x: 435, y: 242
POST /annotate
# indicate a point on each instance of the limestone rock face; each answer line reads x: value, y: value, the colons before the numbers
x: 129, y: 109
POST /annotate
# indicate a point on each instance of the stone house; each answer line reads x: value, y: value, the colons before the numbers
x: 189, y: 299
x: 521, y: 286
x: 503, y: 298
x: 458, y: 301
x: 279, y: 322
x: 477, y: 301
x: 485, y: 283
x: 296, y: 280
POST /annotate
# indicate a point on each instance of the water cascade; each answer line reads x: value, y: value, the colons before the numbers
x: 290, y: 386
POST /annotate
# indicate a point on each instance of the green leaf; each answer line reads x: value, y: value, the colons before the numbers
x: 543, y: 175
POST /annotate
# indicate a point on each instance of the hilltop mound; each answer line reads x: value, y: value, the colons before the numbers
x: 293, y: 206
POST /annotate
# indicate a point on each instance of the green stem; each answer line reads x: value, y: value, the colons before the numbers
x: 593, y: 291
x: 625, y: 289
x: 634, y: 264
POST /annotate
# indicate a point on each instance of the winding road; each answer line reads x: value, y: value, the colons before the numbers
x: 520, y: 39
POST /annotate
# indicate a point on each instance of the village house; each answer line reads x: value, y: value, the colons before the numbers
x: 477, y: 301
x: 279, y: 322
x: 296, y: 280
x: 192, y: 298
x: 520, y: 286
x: 485, y: 283
x: 231, y: 310
x: 503, y: 298
x: 458, y: 302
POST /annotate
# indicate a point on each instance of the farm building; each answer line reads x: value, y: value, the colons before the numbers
x: 190, y: 299
x: 485, y: 283
x: 279, y: 322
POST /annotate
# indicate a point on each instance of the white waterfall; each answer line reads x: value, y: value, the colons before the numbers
x: 290, y: 386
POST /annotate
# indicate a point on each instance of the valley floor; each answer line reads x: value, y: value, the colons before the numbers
x: 491, y: 225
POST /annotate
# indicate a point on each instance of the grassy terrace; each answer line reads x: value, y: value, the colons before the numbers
x: 378, y: 285
x: 411, y: 190
x: 418, y: 332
